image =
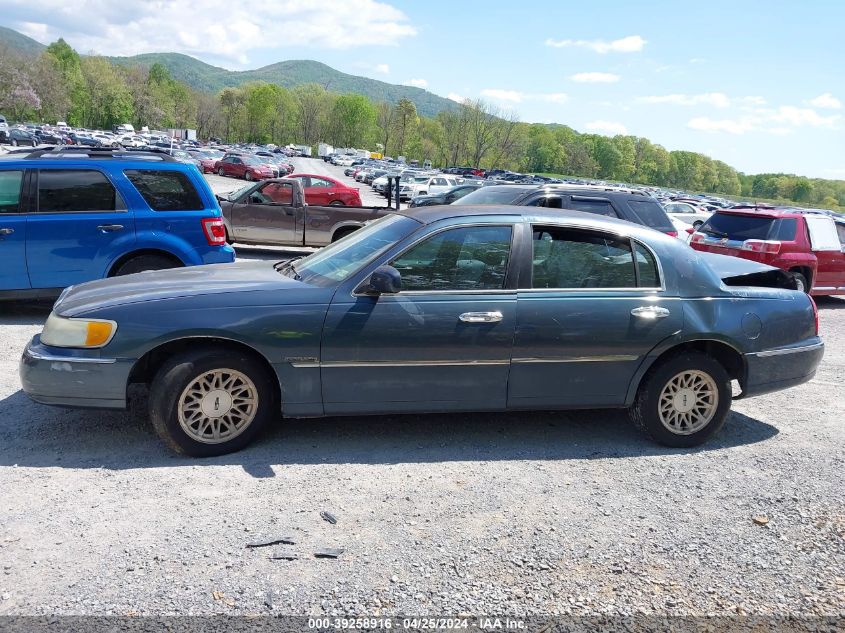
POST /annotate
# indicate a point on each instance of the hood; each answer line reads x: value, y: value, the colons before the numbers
x: 735, y: 271
x: 173, y: 283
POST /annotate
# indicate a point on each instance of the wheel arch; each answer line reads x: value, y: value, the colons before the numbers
x: 146, y: 367
x: 342, y: 230
x: 727, y: 355
x: 116, y: 264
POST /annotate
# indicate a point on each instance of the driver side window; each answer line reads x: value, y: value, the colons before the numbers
x: 275, y: 193
x: 468, y: 258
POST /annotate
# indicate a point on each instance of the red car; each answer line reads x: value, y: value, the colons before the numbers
x: 247, y: 167
x: 208, y: 161
x: 324, y: 191
x: 810, y: 245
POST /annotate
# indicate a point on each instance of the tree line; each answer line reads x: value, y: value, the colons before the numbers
x: 91, y: 92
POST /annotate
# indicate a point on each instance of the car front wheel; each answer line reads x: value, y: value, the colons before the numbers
x: 248, y: 176
x: 221, y: 172
x: 206, y: 402
x: 683, y: 401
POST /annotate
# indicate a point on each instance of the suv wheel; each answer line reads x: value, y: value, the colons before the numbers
x: 206, y: 402
x: 801, y: 282
x: 683, y: 401
x: 145, y: 262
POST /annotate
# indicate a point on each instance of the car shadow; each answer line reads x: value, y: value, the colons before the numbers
x: 25, y: 312
x: 830, y: 303
x: 33, y: 435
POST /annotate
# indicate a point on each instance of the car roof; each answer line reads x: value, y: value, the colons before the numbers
x: 766, y: 212
x: 570, y: 187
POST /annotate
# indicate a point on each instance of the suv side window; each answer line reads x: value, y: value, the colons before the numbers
x: 10, y: 191
x: 549, y: 202
x: 76, y: 190
x: 574, y: 258
x: 467, y: 258
x: 166, y: 190
x: 593, y: 205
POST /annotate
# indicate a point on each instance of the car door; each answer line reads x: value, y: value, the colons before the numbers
x: 13, y: 271
x: 79, y: 227
x: 824, y: 242
x: 593, y: 308
x: 319, y: 191
x: 268, y: 214
x: 442, y: 343
x: 235, y: 167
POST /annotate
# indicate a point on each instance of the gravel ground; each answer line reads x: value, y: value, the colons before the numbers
x: 521, y: 514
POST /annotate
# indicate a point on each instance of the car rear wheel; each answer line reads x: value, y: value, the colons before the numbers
x: 800, y: 282
x: 248, y: 176
x: 221, y: 172
x: 145, y: 262
x: 34, y: 143
x: 14, y: 142
x: 336, y: 203
x: 207, y: 402
x: 683, y: 401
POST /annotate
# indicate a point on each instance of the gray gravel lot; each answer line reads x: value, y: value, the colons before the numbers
x: 525, y: 513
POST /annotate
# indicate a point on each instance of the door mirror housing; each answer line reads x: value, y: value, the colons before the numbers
x: 385, y: 280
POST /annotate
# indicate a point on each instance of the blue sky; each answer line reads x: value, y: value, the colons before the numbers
x: 756, y: 84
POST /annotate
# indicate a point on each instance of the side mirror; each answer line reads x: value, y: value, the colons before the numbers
x: 385, y: 280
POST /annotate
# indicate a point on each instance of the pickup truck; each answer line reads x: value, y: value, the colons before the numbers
x: 274, y: 212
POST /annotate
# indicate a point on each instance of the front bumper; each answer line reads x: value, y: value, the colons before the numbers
x: 781, y: 368
x: 74, y: 378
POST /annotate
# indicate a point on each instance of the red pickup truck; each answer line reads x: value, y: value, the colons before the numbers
x: 808, y: 244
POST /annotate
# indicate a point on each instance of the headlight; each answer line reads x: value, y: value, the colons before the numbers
x: 62, y: 332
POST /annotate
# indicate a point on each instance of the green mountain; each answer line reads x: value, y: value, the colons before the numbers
x: 15, y: 41
x: 208, y: 78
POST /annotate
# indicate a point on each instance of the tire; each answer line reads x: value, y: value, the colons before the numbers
x: 221, y: 172
x: 709, y: 376
x: 141, y: 263
x: 248, y: 176
x: 174, y: 410
x: 336, y: 203
x: 341, y: 233
x: 14, y: 142
x: 34, y: 143
x: 801, y: 282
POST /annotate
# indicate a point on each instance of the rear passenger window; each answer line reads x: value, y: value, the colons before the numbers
x: 166, y: 190
x: 572, y: 258
x: 10, y: 191
x: 646, y: 268
x: 600, y: 207
x: 76, y: 190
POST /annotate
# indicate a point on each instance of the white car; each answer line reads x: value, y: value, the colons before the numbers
x: 687, y: 212
x: 425, y: 185
x: 684, y: 229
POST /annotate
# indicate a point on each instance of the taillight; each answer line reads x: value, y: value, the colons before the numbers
x: 690, y: 231
x: 672, y: 233
x: 215, y: 231
x: 696, y: 237
x: 815, y: 313
x: 761, y: 246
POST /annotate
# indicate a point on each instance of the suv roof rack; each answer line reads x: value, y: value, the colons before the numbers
x: 63, y: 151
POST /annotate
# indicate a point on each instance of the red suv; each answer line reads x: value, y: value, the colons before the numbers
x: 810, y: 245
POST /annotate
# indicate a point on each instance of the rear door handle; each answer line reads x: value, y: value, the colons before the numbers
x: 481, y: 317
x: 110, y: 228
x: 650, y: 312
x: 5, y: 231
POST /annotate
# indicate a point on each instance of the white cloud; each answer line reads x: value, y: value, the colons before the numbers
x: 610, y: 128
x: 716, y: 99
x: 595, y: 78
x: 456, y: 97
x: 826, y: 100
x: 499, y: 94
x: 630, y: 44
x: 417, y: 83
x: 779, y: 121
x: 753, y: 100
x: 554, y: 97
x: 384, y: 69
x: 218, y: 30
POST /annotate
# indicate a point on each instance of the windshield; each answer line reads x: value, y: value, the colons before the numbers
x: 237, y: 193
x: 492, y: 195
x: 345, y: 257
x: 749, y: 227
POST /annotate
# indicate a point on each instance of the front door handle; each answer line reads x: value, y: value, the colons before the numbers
x: 481, y: 317
x: 110, y: 228
x: 650, y: 312
x: 5, y: 231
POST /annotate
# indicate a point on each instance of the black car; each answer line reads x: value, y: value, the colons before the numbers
x: 615, y: 202
x: 81, y: 139
x: 51, y: 138
x: 446, y: 197
x: 17, y: 136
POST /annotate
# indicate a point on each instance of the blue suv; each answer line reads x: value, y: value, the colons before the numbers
x: 73, y: 215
